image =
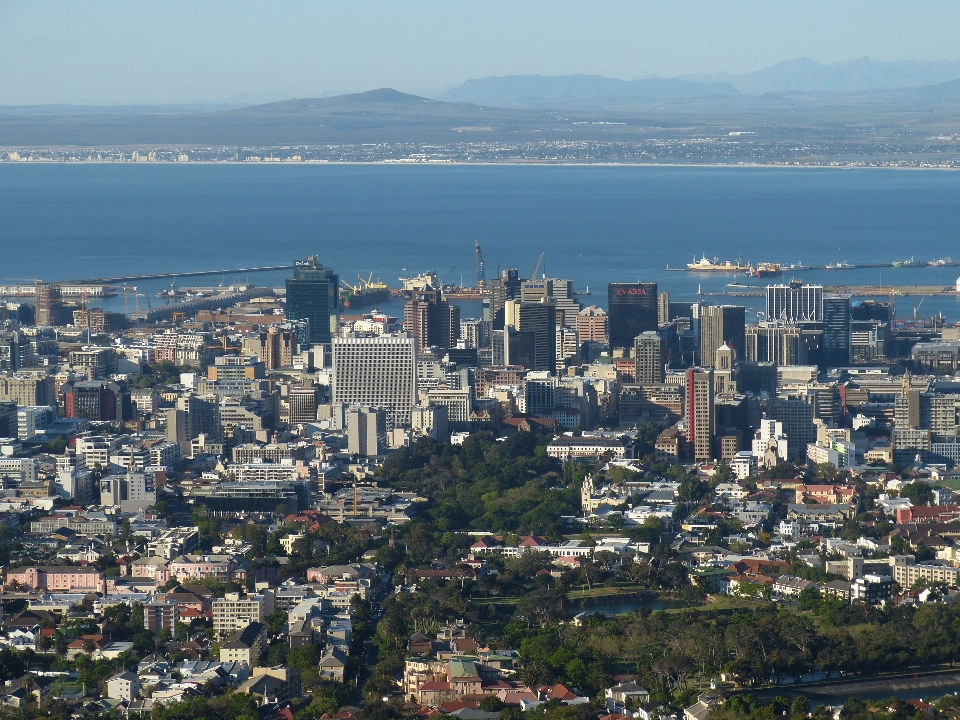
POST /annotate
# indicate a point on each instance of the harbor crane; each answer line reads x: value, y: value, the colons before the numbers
x: 533, y: 275
x: 481, y: 274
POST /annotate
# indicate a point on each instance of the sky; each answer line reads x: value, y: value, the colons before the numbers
x: 121, y: 52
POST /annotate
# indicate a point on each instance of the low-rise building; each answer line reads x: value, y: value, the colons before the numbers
x: 246, y: 645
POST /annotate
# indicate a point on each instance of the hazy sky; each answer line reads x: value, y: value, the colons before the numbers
x: 198, y: 51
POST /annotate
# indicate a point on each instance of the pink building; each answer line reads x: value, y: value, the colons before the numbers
x: 59, y: 578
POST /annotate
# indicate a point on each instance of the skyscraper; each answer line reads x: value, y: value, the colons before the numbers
x: 539, y: 318
x: 506, y: 287
x: 836, y: 330
x: 376, y: 371
x: 46, y: 301
x: 795, y: 303
x: 648, y: 358
x: 719, y: 325
x: 700, y: 413
x: 312, y: 295
x: 431, y: 320
x: 632, y: 309
x: 592, y: 324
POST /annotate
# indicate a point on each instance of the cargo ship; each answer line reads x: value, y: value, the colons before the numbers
x: 704, y: 265
x: 766, y: 269
x: 365, y: 292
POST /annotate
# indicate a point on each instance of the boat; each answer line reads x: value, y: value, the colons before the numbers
x: 584, y: 293
x: 704, y: 265
x: 421, y: 282
x: 766, y: 269
x: 844, y: 265
x: 365, y: 292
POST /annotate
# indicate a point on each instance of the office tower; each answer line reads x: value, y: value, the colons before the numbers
x: 312, y: 295
x: 568, y: 345
x: 10, y: 351
x: 535, y: 289
x: 97, y: 400
x: 473, y: 333
x: 506, y: 287
x: 302, y: 404
x: 97, y: 363
x: 275, y: 347
x: 700, y: 413
x: 795, y: 303
x: 376, y: 371
x: 648, y: 358
x: 512, y: 347
x: 720, y: 325
x: 757, y: 377
x: 873, y: 310
x: 540, y: 319
x: 835, y: 350
x: 797, y: 419
x: 592, y: 325
x: 568, y: 307
x: 632, y: 309
x: 431, y: 320
x: 46, y: 302
x: 663, y: 307
x: 430, y: 421
x: 366, y: 431
x: 778, y: 343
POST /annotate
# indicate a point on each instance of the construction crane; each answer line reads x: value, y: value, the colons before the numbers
x: 481, y: 274
x: 917, y: 308
x: 533, y: 275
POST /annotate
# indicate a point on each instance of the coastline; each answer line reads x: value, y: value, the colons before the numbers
x: 488, y: 163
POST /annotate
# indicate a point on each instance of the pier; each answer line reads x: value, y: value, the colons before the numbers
x: 205, y: 303
x: 189, y: 273
x: 869, y: 291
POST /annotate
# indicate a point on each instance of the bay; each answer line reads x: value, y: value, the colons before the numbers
x: 594, y: 224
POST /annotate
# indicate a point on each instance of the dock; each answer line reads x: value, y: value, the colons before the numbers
x: 189, y: 273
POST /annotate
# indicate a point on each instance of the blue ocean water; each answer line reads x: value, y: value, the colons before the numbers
x: 595, y: 224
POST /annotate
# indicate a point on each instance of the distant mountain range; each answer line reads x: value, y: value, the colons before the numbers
x: 806, y: 75
x: 792, y: 76
x: 528, y: 90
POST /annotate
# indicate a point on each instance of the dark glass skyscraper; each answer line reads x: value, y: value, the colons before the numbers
x: 836, y: 331
x: 632, y: 309
x: 312, y: 295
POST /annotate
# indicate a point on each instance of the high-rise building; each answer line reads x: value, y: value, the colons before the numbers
x: 378, y: 372
x: 835, y: 350
x: 796, y: 302
x: 430, y: 421
x: 366, y: 431
x: 302, y: 404
x: 592, y: 325
x: 700, y: 416
x: 474, y: 333
x: 797, y: 418
x: 540, y: 319
x: 632, y: 309
x: 312, y: 295
x: 46, y: 302
x: 779, y: 343
x: 275, y: 347
x: 97, y: 400
x: 648, y: 358
x: 512, y: 347
x: 506, y: 287
x: 721, y: 325
x: 431, y: 320
x: 663, y: 307
x: 10, y: 351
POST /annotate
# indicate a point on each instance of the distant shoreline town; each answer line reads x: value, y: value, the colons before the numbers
x: 722, y: 151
